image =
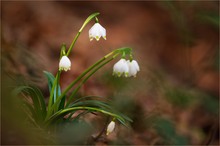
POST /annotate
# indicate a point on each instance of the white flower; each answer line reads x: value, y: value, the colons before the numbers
x: 133, y: 68
x: 96, y: 31
x: 110, y: 128
x: 65, y: 63
x: 120, y: 68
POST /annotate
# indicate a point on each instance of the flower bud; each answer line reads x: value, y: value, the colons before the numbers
x: 65, y: 63
x: 110, y: 128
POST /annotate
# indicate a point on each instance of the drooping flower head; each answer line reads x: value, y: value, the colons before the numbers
x: 133, y: 68
x: 120, y: 68
x: 97, y: 31
x: 110, y: 128
x: 65, y: 63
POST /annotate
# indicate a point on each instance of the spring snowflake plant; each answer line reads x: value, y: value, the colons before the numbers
x: 62, y: 105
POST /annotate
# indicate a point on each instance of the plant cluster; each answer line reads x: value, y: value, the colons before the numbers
x: 62, y: 105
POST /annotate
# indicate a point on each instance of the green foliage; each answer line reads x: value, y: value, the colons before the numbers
x: 50, y: 79
x: 167, y: 130
x: 179, y: 96
x: 89, y: 103
x: 56, y: 92
x: 38, y: 109
x: 211, y: 104
x: 210, y: 17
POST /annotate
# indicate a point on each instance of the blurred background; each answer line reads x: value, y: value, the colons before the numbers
x: 173, y: 100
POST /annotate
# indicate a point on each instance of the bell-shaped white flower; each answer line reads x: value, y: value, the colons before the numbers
x: 133, y: 68
x: 120, y: 68
x: 65, y: 63
x: 97, y: 31
x: 110, y: 128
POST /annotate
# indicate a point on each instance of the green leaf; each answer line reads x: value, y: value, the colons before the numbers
x: 62, y: 103
x: 90, y: 101
x: 93, y: 101
x: 60, y: 114
x: 30, y: 92
x: 166, y: 129
x: 179, y: 96
x: 31, y: 109
x: 50, y: 79
x: 210, y: 18
x: 211, y: 104
x: 89, y: 104
x: 42, y: 101
x: 39, y: 106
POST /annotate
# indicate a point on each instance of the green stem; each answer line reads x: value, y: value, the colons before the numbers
x: 63, y: 50
x: 73, y: 43
x: 84, y: 80
x: 79, y: 78
x: 57, y: 87
x: 77, y: 35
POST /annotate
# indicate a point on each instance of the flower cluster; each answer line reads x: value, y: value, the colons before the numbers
x: 51, y: 115
x: 126, y: 67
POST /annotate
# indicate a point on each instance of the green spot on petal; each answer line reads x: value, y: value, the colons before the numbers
x: 126, y: 74
x: 119, y: 74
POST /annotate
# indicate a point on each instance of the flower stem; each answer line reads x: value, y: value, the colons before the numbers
x: 85, y: 72
x: 73, y: 43
x: 77, y: 35
x: 84, y: 80
x: 57, y: 87
x: 76, y: 80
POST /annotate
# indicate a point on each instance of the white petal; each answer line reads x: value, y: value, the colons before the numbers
x: 120, y: 68
x: 133, y: 68
x: 136, y: 65
x: 97, y: 31
x: 64, y: 63
x: 103, y: 32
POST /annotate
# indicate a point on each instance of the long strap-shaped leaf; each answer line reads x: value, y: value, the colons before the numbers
x: 64, y: 112
x: 37, y: 98
x: 50, y: 79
